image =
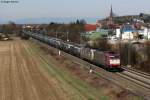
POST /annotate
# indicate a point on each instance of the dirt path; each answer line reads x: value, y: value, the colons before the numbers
x: 26, y: 75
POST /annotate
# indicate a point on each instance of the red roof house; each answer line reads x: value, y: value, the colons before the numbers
x: 90, y: 27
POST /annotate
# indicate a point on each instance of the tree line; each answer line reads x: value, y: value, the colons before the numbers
x: 69, y: 31
x: 10, y: 28
x: 63, y: 31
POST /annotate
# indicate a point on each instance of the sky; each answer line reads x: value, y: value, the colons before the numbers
x: 71, y: 8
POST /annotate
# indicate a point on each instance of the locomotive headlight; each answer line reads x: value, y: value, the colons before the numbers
x: 114, y: 61
x: 111, y: 61
x: 118, y: 61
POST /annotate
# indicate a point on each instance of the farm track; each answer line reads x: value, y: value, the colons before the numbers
x: 27, y: 75
x: 122, y: 79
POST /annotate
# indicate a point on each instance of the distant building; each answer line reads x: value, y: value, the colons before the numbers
x: 101, y: 23
x: 90, y: 27
x: 144, y: 33
x: 127, y: 32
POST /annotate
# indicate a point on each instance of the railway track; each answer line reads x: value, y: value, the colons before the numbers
x: 138, y: 77
x: 136, y: 82
x: 137, y: 72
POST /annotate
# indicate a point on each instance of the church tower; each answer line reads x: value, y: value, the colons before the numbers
x: 110, y: 22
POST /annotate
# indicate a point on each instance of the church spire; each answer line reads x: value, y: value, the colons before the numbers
x: 111, y: 16
x: 111, y: 12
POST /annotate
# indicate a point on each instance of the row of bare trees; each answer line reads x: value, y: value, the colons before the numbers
x: 10, y: 28
x: 67, y: 31
x: 137, y: 55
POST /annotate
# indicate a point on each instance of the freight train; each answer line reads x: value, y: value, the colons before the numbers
x: 105, y: 59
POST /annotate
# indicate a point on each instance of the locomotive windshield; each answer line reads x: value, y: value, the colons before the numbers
x: 114, y: 57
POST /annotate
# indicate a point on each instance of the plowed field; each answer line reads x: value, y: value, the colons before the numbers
x: 25, y: 74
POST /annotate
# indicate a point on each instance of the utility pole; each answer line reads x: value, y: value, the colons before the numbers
x: 67, y: 37
x: 56, y: 34
x: 120, y: 45
x: 147, y: 33
x: 129, y: 51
